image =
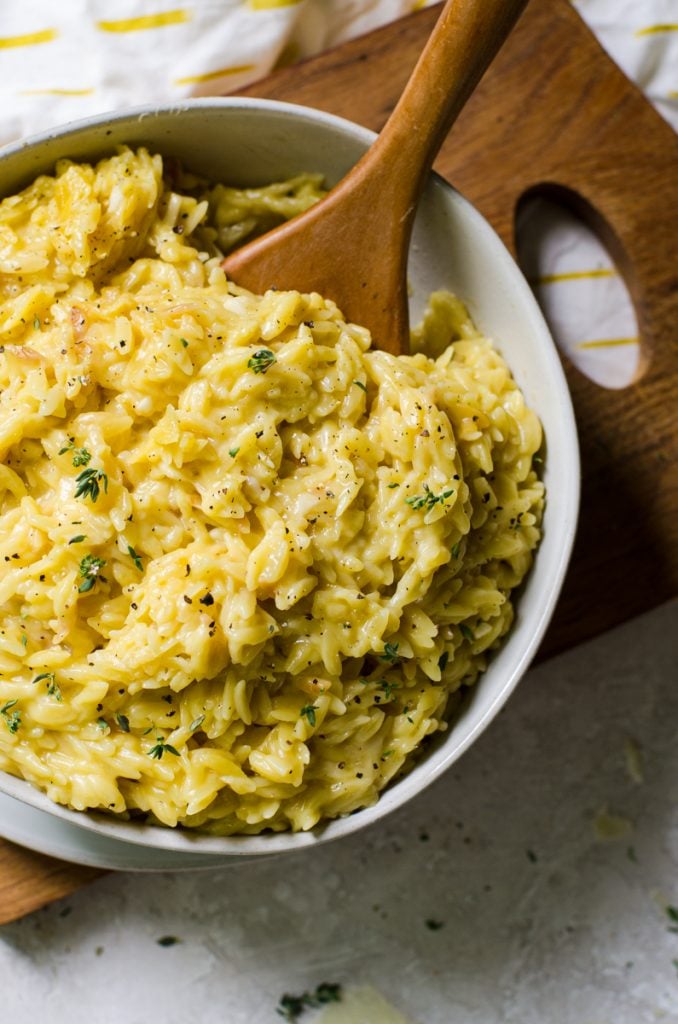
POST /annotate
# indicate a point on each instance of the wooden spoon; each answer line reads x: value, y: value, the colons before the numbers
x: 352, y: 245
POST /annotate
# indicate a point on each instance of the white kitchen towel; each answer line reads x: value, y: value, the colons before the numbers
x: 61, y: 61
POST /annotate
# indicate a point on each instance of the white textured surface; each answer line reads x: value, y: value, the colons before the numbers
x: 542, y: 921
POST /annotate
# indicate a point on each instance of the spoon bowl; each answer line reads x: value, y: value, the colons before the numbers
x: 352, y: 246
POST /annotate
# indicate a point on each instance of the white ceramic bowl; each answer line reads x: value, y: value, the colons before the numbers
x: 245, y: 141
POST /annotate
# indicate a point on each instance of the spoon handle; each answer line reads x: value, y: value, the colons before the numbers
x: 464, y: 41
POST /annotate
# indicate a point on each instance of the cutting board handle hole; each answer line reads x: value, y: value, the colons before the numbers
x: 578, y: 285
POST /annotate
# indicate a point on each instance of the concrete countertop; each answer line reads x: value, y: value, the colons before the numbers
x: 530, y: 885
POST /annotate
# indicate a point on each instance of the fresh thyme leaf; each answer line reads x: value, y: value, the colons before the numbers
x: 359, y: 384
x: 388, y: 688
x: 81, y: 457
x: 54, y: 690
x: 88, y: 483
x: 90, y: 570
x: 196, y: 723
x: 261, y: 361
x: 391, y: 486
x: 183, y: 342
x: 390, y: 653
x: 24, y: 640
x: 291, y: 1007
x: 233, y: 452
x: 44, y: 675
x: 672, y: 914
x: 309, y: 712
x: 78, y: 538
x: 455, y: 549
x: 466, y: 631
x: 135, y: 558
x: 160, y: 747
x: 123, y: 722
x: 428, y: 499
x: 12, y: 718
x: 36, y: 323
x: 167, y: 940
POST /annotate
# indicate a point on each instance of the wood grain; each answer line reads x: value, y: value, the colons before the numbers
x: 29, y: 880
x: 552, y: 114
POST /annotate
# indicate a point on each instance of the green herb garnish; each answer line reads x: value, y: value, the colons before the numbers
x: 44, y: 675
x: 428, y: 499
x: 308, y: 711
x: 391, y: 486
x: 81, y: 457
x: 168, y: 940
x: 160, y: 747
x: 443, y: 660
x: 12, y: 718
x: 183, y: 342
x: 88, y: 483
x: 359, y: 384
x: 36, y: 323
x: 388, y: 688
x: 233, y: 452
x: 123, y: 722
x: 466, y: 632
x: 261, y: 361
x: 90, y: 570
x: 672, y: 914
x: 102, y: 724
x: 390, y: 653
x: 135, y: 558
x: 78, y: 538
x: 196, y: 723
x: 455, y: 549
x: 291, y: 1007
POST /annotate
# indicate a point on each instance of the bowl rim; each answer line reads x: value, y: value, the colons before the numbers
x: 436, y: 762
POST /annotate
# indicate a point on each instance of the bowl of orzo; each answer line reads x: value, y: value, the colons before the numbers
x: 260, y: 582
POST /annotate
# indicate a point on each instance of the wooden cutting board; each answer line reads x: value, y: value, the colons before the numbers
x: 555, y: 115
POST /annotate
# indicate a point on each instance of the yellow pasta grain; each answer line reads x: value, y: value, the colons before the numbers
x: 247, y: 563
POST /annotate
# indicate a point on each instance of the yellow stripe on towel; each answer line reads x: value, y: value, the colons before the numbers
x: 56, y: 92
x: 652, y: 30
x: 45, y: 35
x: 210, y: 76
x: 574, y: 275
x: 607, y: 342
x: 146, y: 21
x: 268, y: 5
